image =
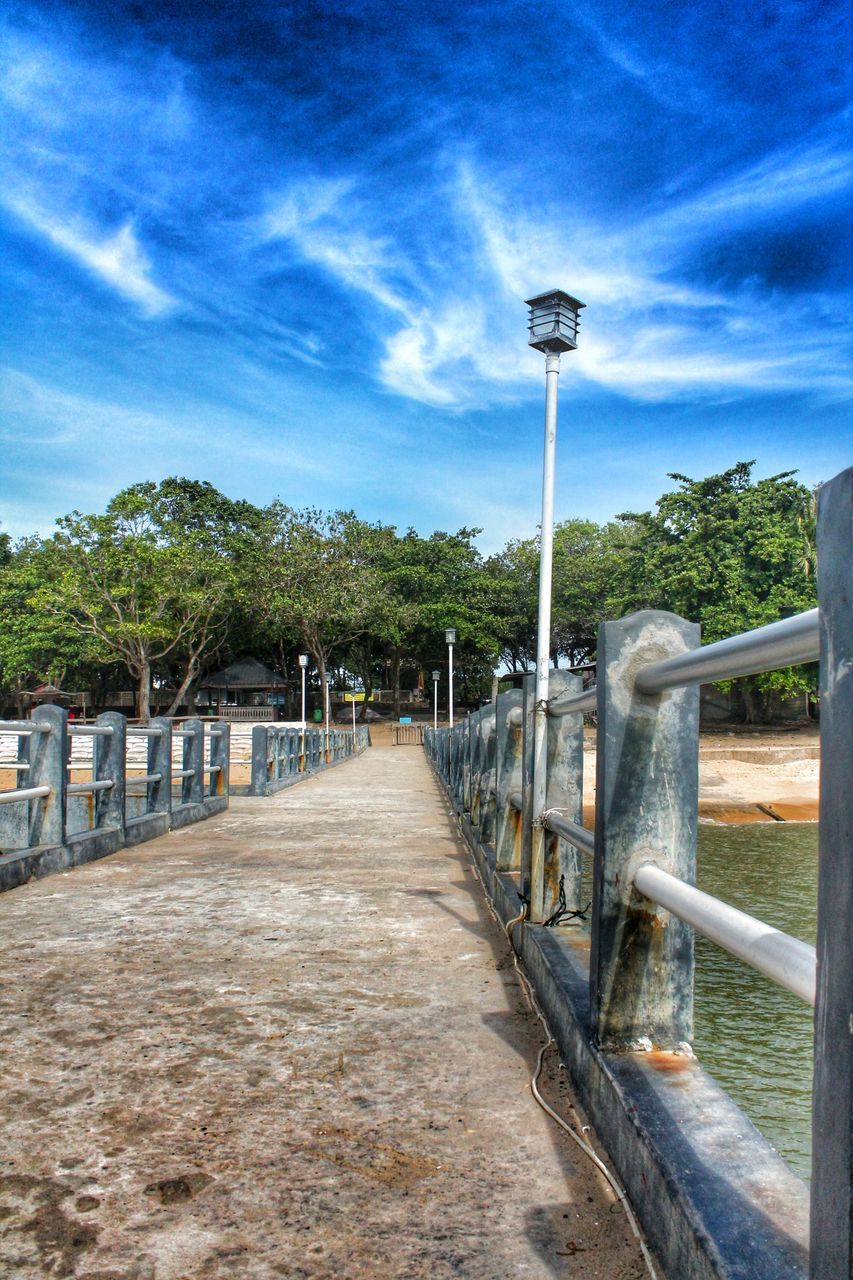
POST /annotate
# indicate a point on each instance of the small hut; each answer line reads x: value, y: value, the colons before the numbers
x: 247, y: 690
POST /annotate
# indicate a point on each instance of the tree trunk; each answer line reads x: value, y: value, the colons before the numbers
x: 189, y: 676
x: 143, y: 692
x: 395, y: 683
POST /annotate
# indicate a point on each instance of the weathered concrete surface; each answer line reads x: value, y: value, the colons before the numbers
x: 287, y: 1042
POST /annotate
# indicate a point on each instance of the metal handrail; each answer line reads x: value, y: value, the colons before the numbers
x: 570, y: 831
x: 577, y: 703
x: 144, y: 731
x: 144, y: 777
x: 24, y: 793
x: 90, y: 730
x: 780, y: 644
x: 788, y: 961
x: 80, y: 788
x: 24, y: 726
x: 13, y: 764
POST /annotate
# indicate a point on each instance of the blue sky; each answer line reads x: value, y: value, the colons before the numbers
x: 285, y: 248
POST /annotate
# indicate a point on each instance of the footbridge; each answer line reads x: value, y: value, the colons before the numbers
x: 359, y: 1021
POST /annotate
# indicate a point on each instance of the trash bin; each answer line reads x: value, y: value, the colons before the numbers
x: 317, y: 715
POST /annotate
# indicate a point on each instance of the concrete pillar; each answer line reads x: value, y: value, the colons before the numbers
x: 220, y: 754
x: 832, y: 1115
x: 565, y: 792
x: 641, y: 964
x: 160, y: 761
x: 528, y: 690
x: 487, y: 776
x: 192, y: 786
x: 109, y: 761
x: 507, y: 780
x: 48, y: 757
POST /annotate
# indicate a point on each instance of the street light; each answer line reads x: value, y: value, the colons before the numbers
x: 327, y: 680
x: 303, y: 665
x: 553, y: 323
x: 450, y: 637
x: 435, y: 679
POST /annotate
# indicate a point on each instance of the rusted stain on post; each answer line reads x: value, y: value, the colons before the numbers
x: 565, y: 793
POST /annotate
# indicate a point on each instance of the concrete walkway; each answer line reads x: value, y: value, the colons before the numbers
x: 287, y: 1042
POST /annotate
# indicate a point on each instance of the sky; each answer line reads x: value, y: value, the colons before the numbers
x: 285, y: 248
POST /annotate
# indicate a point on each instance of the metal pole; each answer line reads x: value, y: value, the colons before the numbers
x: 543, y: 641
x: 353, y: 714
x: 302, y: 750
x: 435, y: 705
x: 450, y: 684
x: 328, y: 709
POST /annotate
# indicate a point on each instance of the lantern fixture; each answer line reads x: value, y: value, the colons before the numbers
x: 450, y: 635
x: 553, y: 321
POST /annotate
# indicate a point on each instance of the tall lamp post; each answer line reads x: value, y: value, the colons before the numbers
x: 450, y: 637
x: 328, y: 691
x: 303, y: 667
x: 553, y: 323
x: 436, y: 675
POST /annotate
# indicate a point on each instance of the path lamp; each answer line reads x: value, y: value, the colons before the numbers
x: 553, y: 323
x: 450, y: 637
x: 303, y: 666
x: 435, y: 678
x: 327, y: 689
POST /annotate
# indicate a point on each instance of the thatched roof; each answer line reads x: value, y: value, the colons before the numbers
x: 248, y: 673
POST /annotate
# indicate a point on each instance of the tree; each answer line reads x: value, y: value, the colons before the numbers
x: 315, y: 574
x: 728, y: 553
x: 142, y: 582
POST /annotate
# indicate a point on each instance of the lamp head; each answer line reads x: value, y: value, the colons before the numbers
x: 553, y: 321
x: 303, y: 660
x: 450, y: 635
x: 436, y: 675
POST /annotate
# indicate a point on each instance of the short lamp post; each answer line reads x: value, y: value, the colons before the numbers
x: 553, y: 323
x: 303, y: 667
x: 436, y: 675
x: 328, y: 690
x: 450, y: 637
x: 353, y: 711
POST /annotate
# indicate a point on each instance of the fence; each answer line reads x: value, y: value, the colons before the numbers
x: 638, y: 987
x: 407, y: 735
x: 49, y: 822
x: 283, y: 756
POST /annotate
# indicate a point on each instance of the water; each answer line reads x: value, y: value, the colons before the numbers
x: 752, y: 1036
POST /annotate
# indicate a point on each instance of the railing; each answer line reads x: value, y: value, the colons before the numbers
x: 282, y: 756
x: 50, y: 820
x: 645, y: 906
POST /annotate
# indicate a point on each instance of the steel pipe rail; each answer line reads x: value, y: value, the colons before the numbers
x: 13, y: 764
x: 144, y: 778
x: 575, y: 705
x: 787, y: 961
x: 80, y: 788
x: 24, y: 793
x: 24, y: 726
x: 183, y: 773
x: 570, y: 831
x: 141, y: 731
x: 90, y: 730
x: 515, y: 718
x: 517, y: 800
x: 779, y: 644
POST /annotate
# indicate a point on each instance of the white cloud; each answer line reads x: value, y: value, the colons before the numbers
x: 117, y: 260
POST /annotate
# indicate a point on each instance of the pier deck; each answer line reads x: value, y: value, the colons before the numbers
x: 287, y: 1042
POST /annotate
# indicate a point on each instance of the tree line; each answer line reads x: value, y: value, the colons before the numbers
x: 175, y: 580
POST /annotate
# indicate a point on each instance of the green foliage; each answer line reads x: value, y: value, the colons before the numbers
x: 728, y: 553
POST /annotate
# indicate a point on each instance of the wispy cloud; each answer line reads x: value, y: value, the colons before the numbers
x: 117, y: 260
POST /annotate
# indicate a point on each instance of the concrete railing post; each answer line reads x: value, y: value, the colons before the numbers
x: 487, y: 776
x: 528, y: 691
x: 831, y: 1245
x: 48, y: 759
x: 260, y: 760
x: 507, y: 780
x: 159, y: 799
x: 565, y: 793
x: 220, y: 758
x: 475, y: 749
x: 109, y: 763
x: 192, y: 784
x: 641, y: 964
